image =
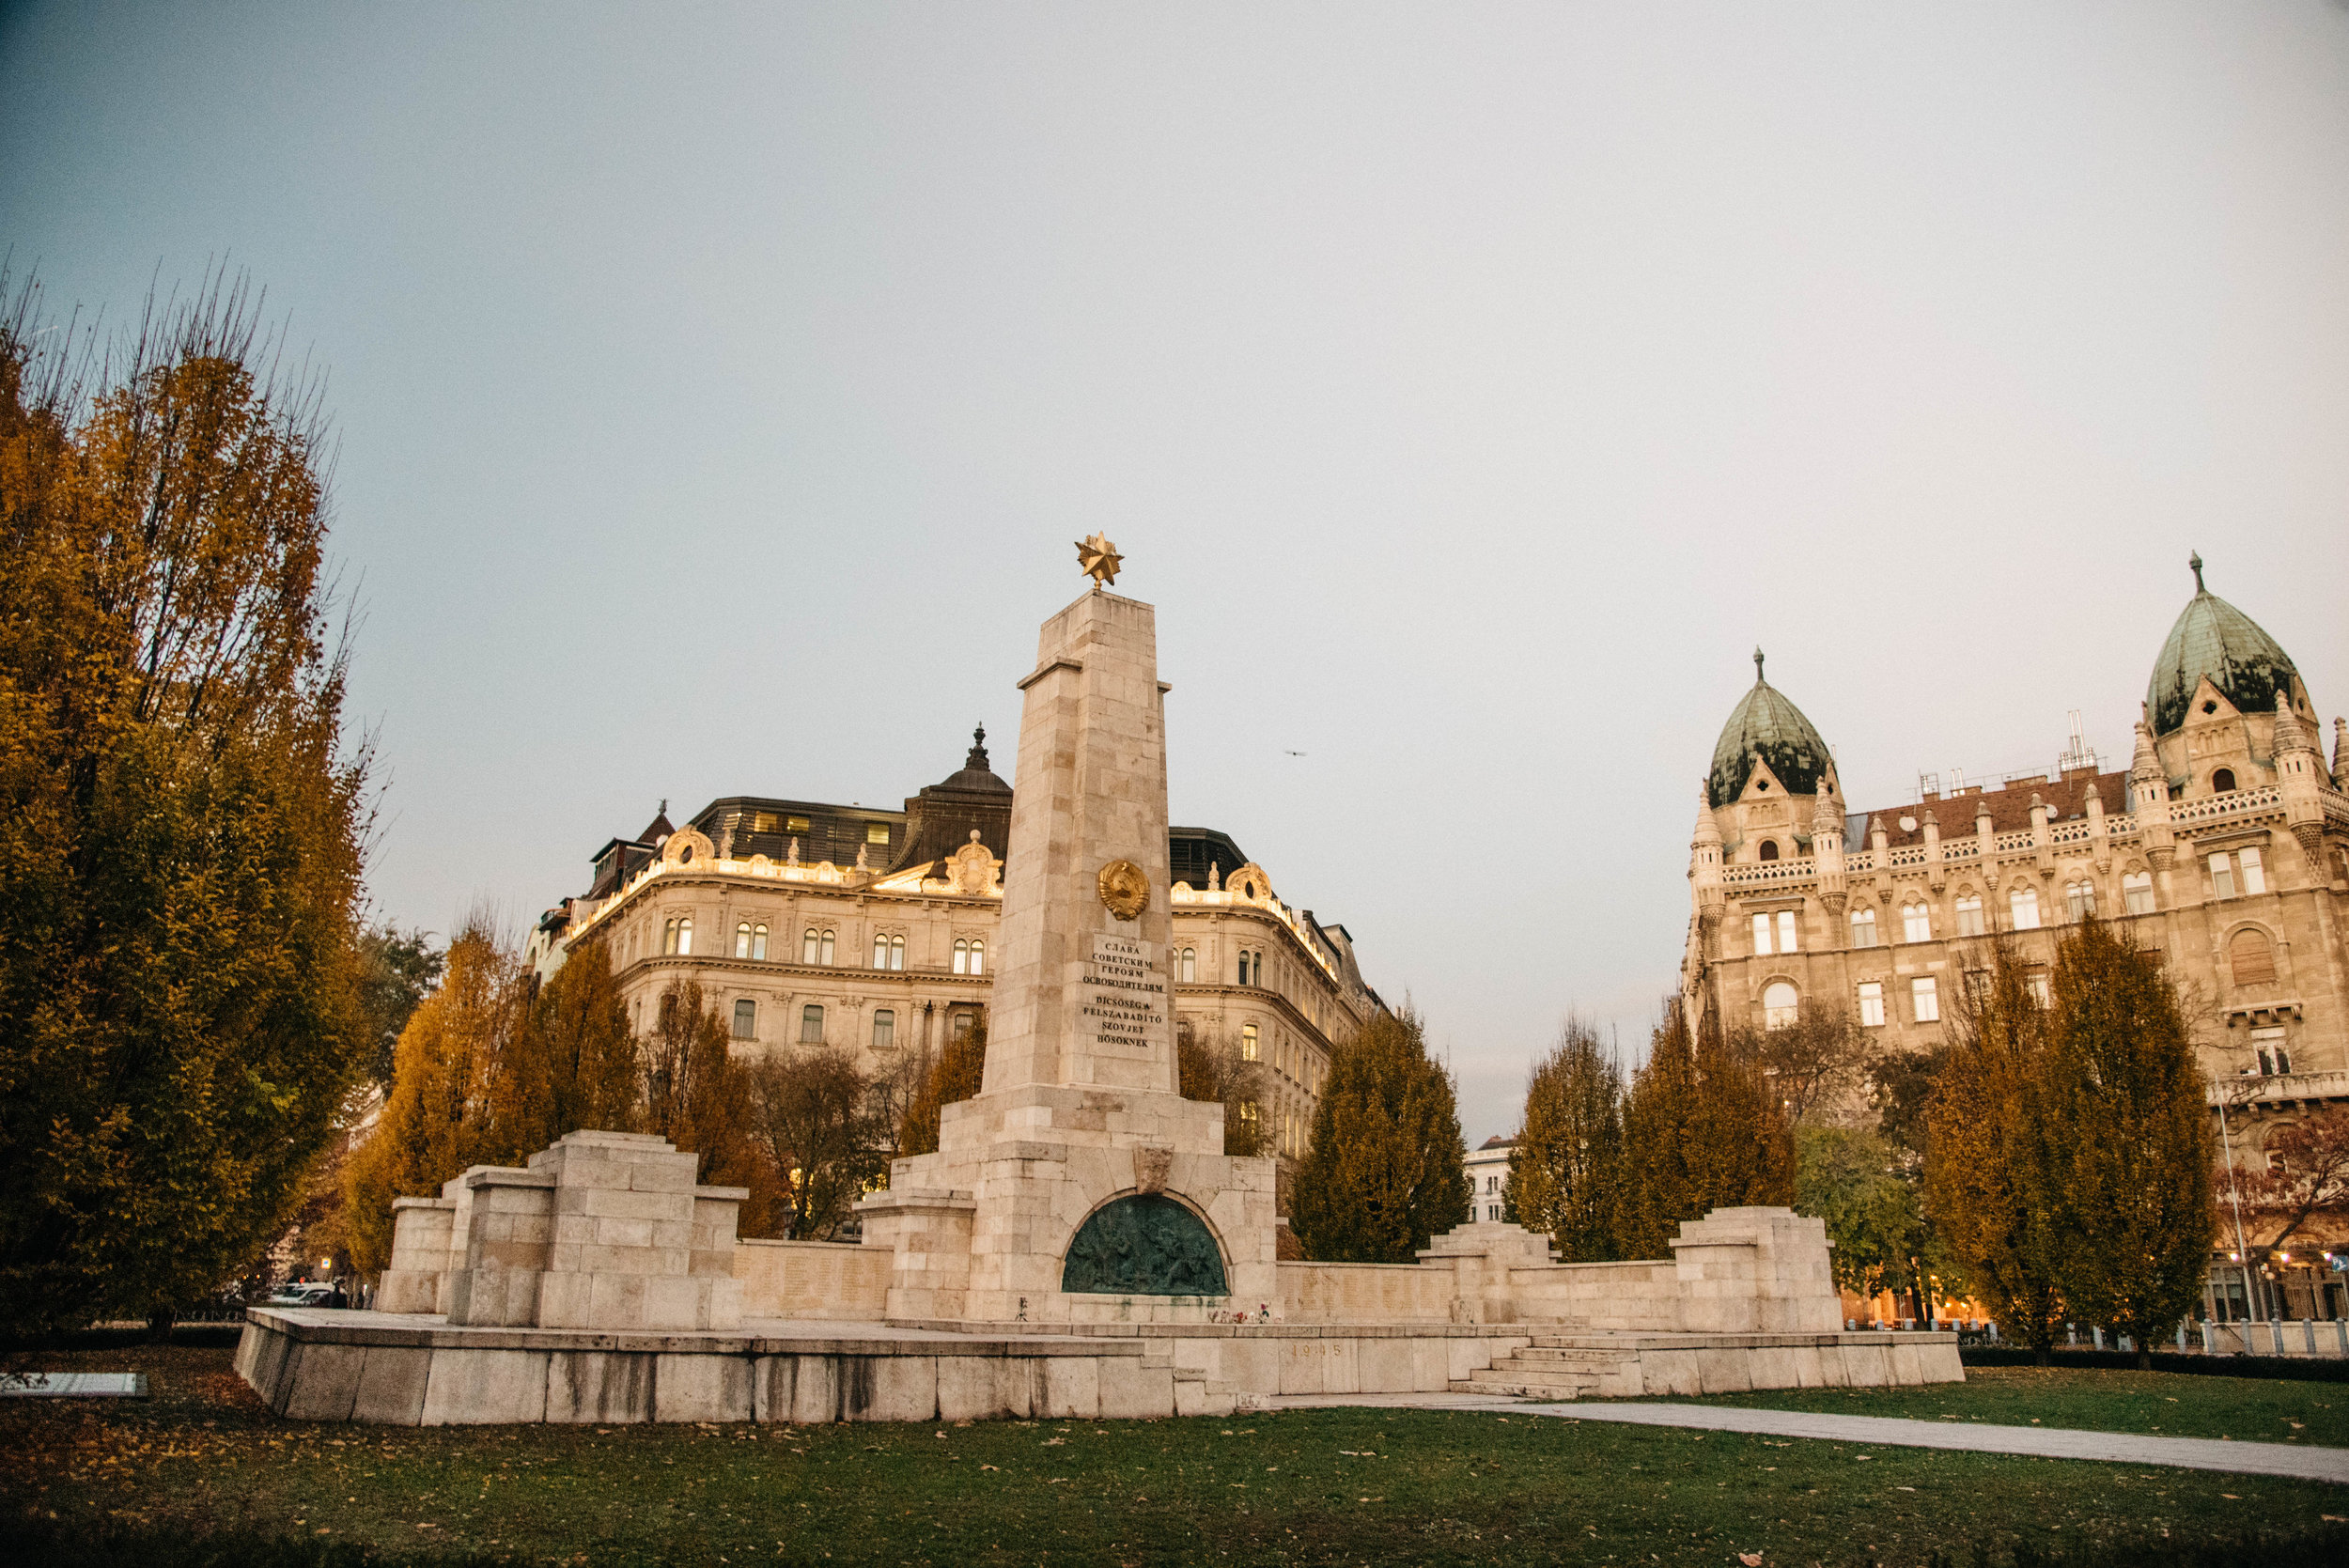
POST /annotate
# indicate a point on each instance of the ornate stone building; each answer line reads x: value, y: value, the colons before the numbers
x: 810, y: 924
x: 2224, y: 843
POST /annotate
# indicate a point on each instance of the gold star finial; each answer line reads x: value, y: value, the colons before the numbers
x: 1100, y: 559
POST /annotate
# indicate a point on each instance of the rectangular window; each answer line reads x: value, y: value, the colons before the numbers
x: 812, y: 1025
x: 2023, y: 904
x: 1916, y: 922
x: 2221, y: 878
x: 962, y: 1023
x: 746, y: 1019
x: 2254, y: 875
x: 1863, y: 928
x: 1924, y: 1000
x: 1786, y: 930
x: 884, y: 1028
x: 877, y: 833
x: 2036, y: 983
x: 1762, y: 936
x: 1872, y: 1004
x: 2269, y: 1043
x: 1969, y: 916
x: 763, y: 822
x: 795, y: 823
x: 1248, y: 1043
x: 2137, y: 891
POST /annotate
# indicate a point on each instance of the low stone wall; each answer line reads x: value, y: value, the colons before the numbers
x: 1642, y: 1297
x: 1366, y: 1293
x: 831, y: 1280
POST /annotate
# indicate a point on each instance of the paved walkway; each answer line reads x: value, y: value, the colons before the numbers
x: 2043, y: 1442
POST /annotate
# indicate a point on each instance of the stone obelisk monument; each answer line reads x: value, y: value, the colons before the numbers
x: 1078, y: 1185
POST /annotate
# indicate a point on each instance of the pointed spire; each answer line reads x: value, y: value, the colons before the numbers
x: 1708, y: 831
x: 977, y: 758
x: 2290, y: 736
x: 2340, y: 753
x: 2195, y: 561
x: 2144, y: 764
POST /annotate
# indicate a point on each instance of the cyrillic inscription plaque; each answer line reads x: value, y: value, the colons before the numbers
x: 1125, y: 999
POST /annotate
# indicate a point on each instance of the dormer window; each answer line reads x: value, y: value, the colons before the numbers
x: 1768, y: 850
x: 2222, y: 781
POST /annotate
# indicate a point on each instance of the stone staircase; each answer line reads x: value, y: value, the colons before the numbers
x: 1558, y: 1366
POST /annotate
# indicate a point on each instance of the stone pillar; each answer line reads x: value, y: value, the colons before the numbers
x: 1756, y: 1270
x: 417, y: 1278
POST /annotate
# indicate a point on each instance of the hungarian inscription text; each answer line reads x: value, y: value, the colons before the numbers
x: 1125, y: 999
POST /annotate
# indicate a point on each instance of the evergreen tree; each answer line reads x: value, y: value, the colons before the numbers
x: 1565, y: 1173
x: 2129, y: 1141
x: 574, y: 1062
x: 180, y: 814
x: 956, y: 1075
x: 1986, y: 1155
x: 1701, y: 1131
x: 438, y: 1120
x: 1384, y: 1172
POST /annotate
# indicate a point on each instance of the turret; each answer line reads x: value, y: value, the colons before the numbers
x: 2341, y: 755
x: 1705, y: 879
x: 1935, y: 874
x: 2150, y: 786
x: 2300, y: 774
x: 1827, y: 845
x: 2097, y: 829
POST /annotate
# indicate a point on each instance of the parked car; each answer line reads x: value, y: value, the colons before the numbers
x: 306, y: 1294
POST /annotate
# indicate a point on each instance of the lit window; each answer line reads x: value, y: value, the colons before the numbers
x: 763, y: 822
x: 1968, y: 915
x: 823, y: 949
x: 1779, y: 1003
x: 759, y: 941
x: 979, y: 957
x: 884, y: 1028
x: 812, y: 1024
x: 1924, y: 1000
x: 1863, y: 928
x: 746, y: 1019
x: 2023, y: 904
x: 1786, y: 930
x: 877, y: 833
x: 1916, y: 922
x: 1248, y: 1043
x: 2079, y: 900
x: 795, y: 823
x: 1872, y: 1004
x: 2137, y: 891
x: 668, y: 935
x: 2254, y: 875
x: 1189, y: 970
x: 2221, y: 878
x: 743, y: 941
x: 1761, y: 936
x: 807, y: 946
x: 685, y: 934
x: 962, y: 956
x: 2036, y: 983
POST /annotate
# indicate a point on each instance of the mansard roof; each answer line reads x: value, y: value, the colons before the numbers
x: 2213, y: 639
x: 1764, y: 725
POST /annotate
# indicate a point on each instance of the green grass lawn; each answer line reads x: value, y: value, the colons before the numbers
x: 2162, y: 1404
x: 1322, y: 1486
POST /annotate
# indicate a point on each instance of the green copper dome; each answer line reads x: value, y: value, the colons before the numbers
x: 1764, y: 725
x: 2212, y: 638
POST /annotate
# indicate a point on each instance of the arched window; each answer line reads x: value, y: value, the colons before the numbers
x: 823, y: 949
x: 668, y: 935
x: 2252, y: 957
x: 685, y: 934
x: 1969, y: 914
x: 880, y: 951
x: 807, y: 946
x: 1778, y: 1003
x: 962, y: 956
x: 2079, y: 900
x: 758, y: 942
x: 745, y: 1020
x: 2023, y: 904
x: 2137, y: 891
x: 1248, y: 1043
x: 1916, y: 922
x: 2222, y: 781
x: 1768, y: 850
x: 979, y: 957
x: 897, y: 952
x: 1243, y: 966
x: 884, y: 1028
x: 743, y: 941
x: 1189, y: 970
x: 1863, y: 927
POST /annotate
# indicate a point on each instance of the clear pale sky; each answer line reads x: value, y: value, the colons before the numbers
x: 1470, y: 386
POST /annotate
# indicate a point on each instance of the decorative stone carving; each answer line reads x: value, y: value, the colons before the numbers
x: 1151, y: 1164
x: 1144, y: 1245
x: 971, y: 868
x: 1124, y: 889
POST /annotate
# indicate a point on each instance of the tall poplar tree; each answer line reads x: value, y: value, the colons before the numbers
x: 2128, y: 1141
x: 956, y: 1074
x: 1987, y: 1175
x: 574, y: 1059
x: 698, y: 1096
x: 1385, y: 1170
x: 1565, y: 1173
x: 180, y: 813
x: 1701, y: 1131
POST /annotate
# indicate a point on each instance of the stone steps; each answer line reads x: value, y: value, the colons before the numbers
x: 1553, y: 1370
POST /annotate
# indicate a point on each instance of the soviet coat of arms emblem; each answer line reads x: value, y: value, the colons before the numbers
x: 1124, y: 890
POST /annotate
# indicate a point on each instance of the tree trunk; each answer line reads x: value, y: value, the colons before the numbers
x: 2144, y: 1357
x: 159, y: 1323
